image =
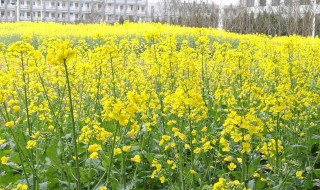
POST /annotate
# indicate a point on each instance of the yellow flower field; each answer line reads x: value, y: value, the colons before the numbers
x: 151, y: 106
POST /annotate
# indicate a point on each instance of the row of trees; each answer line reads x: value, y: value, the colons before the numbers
x: 286, y: 19
x: 200, y: 14
x: 272, y: 24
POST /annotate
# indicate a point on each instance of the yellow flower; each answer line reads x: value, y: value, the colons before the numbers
x: 103, y: 188
x: 11, y: 102
x: 220, y: 185
x: 232, y: 166
x: 35, y: 135
x: 228, y: 159
x: 21, y: 187
x: 166, y: 137
x: 162, y: 179
x: 117, y: 151
x: 245, y: 147
x: 257, y: 175
x: 94, y: 148
x: 4, y: 160
x: 204, y: 129
x: 193, y: 171
x: 235, y: 182
x: 51, y: 127
x: 207, y: 146
x: 61, y: 53
x: 263, y: 179
x: 31, y: 144
x: 299, y: 175
x: 9, y: 124
x: 136, y: 159
x: 2, y: 141
x: 16, y: 108
x: 197, y: 150
x: 126, y: 148
x: 269, y: 166
x: 94, y: 155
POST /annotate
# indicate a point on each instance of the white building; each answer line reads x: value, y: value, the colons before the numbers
x: 73, y: 10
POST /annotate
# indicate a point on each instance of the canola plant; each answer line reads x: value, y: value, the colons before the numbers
x: 152, y: 106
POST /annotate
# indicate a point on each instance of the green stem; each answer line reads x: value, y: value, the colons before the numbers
x: 20, y: 157
x: 107, y: 172
x: 78, y: 180
x: 23, y: 155
x: 123, y: 172
x: 25, y: 89
x: 277, y: 148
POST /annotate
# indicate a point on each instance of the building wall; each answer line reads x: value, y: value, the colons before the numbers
x: 73, y: 10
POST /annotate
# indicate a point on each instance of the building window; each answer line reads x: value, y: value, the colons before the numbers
x: 77, y: 5
x: 70, y: 4
x: 288, y: 2
x: 250, y: 3
x: 131, y: 7
x: 275, y: 2
x: 52, y: 4
x: 121, y: 7
x: 2, y: 13
x: 142, y: 8
x: 28, y: 14
x: 305, y: 2
x: 263, y: 2
x: 52, y: 15
x: 63, y: 4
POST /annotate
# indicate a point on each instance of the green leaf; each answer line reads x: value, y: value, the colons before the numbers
x: 317, y: 172
x: 52, y: 154
x: 250, y: 184
x: 236, y: 175
x: 43, y: 186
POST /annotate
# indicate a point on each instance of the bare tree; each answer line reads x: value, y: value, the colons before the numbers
x: 189, y: 13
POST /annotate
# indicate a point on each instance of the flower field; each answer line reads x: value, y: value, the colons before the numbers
x: 151, y: 106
